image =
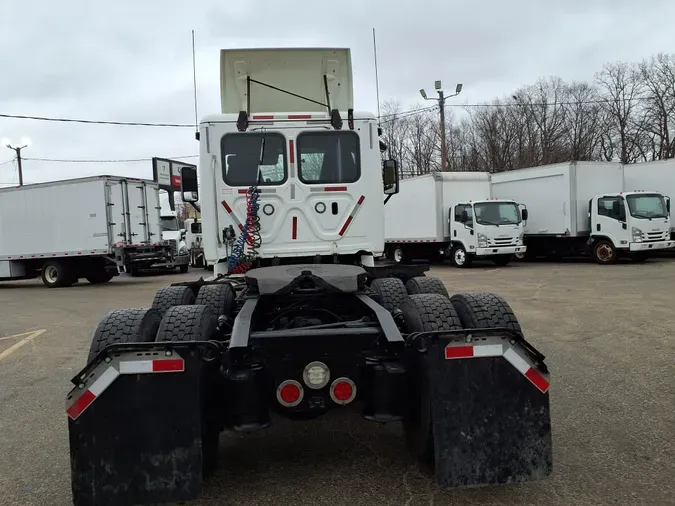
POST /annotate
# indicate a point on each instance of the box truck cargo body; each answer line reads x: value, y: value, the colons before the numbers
x: 656, y: 176
x: 89, y: 228
x: 451, y: 214
x: 581, y: 208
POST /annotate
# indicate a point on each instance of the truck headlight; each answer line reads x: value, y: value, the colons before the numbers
x: 183, y: 250
x: 637, y: 234
x: 520, y: 238
x: 482, y: 241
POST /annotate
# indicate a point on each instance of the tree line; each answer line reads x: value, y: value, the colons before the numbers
x: 626, y: 114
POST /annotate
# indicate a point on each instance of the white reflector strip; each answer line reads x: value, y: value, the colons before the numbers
x: 516, y: 360
x: 104, y: 381
x: 488, y: 350
x: 136, y: 367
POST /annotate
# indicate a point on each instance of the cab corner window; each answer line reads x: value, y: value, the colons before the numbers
x: 241, y: 159
x: 328, y: 157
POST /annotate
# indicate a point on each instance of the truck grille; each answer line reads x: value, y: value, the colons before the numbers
x: 656, y: 236
x: 502, y: 241
x: 173, y: 245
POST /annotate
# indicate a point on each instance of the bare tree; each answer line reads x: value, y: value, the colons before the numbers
x: 583, y: 122
x: 658, y: 108
x: 621, y: 87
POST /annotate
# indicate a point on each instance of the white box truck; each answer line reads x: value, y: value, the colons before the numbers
x: 93, y: 228
x: 173, y: 235
x: 581, y: 208
x: 452, y: 214
x: 651, y: 176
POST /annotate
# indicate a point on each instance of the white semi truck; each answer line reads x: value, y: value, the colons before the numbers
x: 581, y: 208
x: 193, y: 239
x: 298, y: 320
x: 451, y: 214
x: 93, y: 228
x: 658, y: 175
x: 174, y: 236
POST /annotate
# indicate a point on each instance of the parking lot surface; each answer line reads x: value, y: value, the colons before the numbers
x: 607, y: 332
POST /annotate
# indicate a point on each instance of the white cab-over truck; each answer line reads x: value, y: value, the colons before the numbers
x: 451, y: 214
x: 93, y: 228
x: 581, y: 208
x: 658, y: 175
x: 298, y: 319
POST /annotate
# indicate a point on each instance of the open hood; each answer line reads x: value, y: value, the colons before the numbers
x: 299, y: 71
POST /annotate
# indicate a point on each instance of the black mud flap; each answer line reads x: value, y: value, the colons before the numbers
x: 490, y: 413
x: 137, y: 423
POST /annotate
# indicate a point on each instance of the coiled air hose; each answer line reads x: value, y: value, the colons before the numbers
x: 240, y: 260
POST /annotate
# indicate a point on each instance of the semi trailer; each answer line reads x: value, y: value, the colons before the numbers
x: 298, y: 319
x: 581, y: 208
x: 451, y: 214
x: 658, y: 175
x: 92, y: 228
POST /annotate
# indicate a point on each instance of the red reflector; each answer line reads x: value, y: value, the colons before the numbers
x: 344, y: 227
x: 335, y: 189
x: 343, y: 391
x: 459, y: 352
x: 81, y: 404
x: 538, y: 380
x: 290, y: 393
x: 167, y: 364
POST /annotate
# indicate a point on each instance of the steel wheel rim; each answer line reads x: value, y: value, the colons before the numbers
x: 398, y: 255
x: 604, y: 252
x: 460, y: 257
x: 51, y: 274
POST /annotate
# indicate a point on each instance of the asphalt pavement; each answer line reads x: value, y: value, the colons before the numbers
x: 607, y: 332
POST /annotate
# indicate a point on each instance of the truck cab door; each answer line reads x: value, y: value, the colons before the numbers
x: 608, y: 219
x: 460, y: 231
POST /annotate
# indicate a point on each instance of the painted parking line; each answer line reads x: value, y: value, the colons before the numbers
x: 29, y: 336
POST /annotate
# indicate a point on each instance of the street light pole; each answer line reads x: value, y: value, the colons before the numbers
x: 441, y: 107
x: 17, y: 150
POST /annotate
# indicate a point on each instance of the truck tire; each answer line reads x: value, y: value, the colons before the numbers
x: 125, y: 326
x: 460, y: 258
x: 98, y: 277
x: 604, y: 252
x: 424, y: 284
x: 219, y: 298
x: 484, y: 310
x: 187, y: 323
x: 171, y: 296
x: 397, y: 254
x: 195, y: 323
x: 183, y: 268
x: 423, y: 312
x: 57, y: 274
x: 502, y: 260
x: 391, y: 291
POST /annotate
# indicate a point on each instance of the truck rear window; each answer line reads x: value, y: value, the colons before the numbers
x: 328, y: 157
x: 241, y: 158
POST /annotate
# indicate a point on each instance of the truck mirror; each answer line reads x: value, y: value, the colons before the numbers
x: 189, y: 190
x: 668, y: 204
x: 390, y: 177
x: 524, y: 214
x: 465, y: 216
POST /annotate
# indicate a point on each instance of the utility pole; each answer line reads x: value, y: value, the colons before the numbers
x: 441, y: 107
x: 17, y: 150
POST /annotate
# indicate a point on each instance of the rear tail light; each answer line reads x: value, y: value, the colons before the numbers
x: 343, y: 391
x: 290, y: 393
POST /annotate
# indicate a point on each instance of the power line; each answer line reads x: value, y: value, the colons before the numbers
x: 7, y: 161
x: 96, y: 122
x: 128, y: 160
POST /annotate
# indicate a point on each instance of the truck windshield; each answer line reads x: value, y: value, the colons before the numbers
x: 647, y: 206
x: 241, y: 157
x: 497, y: 213
x: 329, y: 157
x: 169, y: 223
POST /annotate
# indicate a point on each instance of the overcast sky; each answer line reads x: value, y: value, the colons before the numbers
x: 132, y: 62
